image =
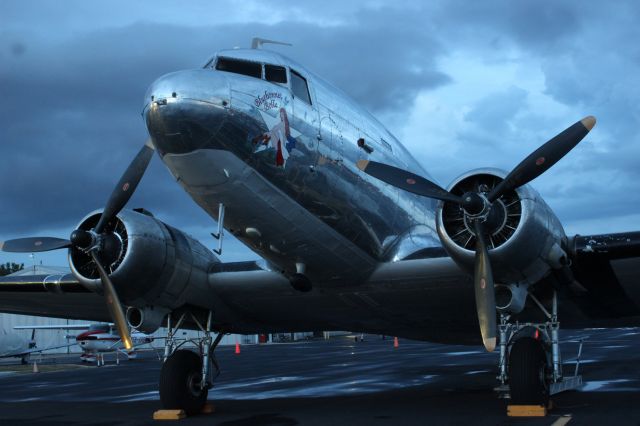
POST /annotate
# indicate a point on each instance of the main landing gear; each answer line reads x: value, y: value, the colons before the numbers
x: 187, y: 376
x: 530, y: 367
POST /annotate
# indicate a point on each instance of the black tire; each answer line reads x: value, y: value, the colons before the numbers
x: 180, y: 383
x: 527, y: 368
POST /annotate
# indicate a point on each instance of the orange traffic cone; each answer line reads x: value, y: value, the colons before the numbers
x: 395, y: 342
x: 237, y: 348
x: 35, y: 367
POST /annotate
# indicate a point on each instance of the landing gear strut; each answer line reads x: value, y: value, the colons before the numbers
x: 187, y: 376
x: 530, y: 367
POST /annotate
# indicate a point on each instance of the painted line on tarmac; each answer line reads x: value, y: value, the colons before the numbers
x: 562, y: 420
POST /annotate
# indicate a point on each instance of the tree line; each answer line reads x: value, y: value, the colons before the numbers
x: 10, y: 268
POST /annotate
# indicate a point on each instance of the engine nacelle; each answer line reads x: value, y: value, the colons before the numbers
x: 524, y: 241
x: 150, y: 263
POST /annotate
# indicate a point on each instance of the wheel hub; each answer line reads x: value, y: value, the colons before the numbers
x: 193, y: 383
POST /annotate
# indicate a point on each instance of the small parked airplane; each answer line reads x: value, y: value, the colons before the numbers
x: 13, y: 345
x: 355, y: 234
x: 96, y: 339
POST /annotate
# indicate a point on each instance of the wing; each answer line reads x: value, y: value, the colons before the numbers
x: 606, y: 268
x: 406, y: 297
x: 426, y: 299
x: 43, y: 295
x: 53, y: 327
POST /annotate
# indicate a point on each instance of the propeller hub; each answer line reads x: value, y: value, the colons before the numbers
x: 475, y: 204
x: 496, y: 219
x: 493, y: 219
x: 82, y: 239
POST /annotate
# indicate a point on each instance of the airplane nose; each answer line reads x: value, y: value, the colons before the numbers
x: 182, y: 109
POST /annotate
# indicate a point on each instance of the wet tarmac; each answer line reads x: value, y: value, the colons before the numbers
x: 333, y: 382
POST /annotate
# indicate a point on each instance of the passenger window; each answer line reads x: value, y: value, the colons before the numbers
x: 275, y: 73
x: 299, y: 87
x: 252, y: 69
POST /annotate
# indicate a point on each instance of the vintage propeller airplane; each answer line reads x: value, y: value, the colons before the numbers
x: 355, y: 234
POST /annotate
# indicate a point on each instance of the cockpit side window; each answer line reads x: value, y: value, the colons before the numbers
x: 252, y: 69
x: 299, y: 87
x: 275, y: 73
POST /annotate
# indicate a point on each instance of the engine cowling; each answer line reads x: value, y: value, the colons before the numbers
x: 525, y: 236
x: 150, y: 263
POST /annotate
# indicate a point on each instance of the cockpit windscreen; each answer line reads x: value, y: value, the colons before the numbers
x: 252, y: 69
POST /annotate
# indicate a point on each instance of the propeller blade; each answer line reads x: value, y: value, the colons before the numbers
x: 113, y: 303
x: 485, y: 293
x: 406, y: 180
x: 126, y: 186
x: 34, y: 244
x: 544, y: 157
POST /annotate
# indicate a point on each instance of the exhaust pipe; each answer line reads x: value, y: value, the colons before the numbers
x: 147, y: 319
x: 511, y: 298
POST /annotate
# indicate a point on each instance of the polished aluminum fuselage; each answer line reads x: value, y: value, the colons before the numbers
x: 318, y: 208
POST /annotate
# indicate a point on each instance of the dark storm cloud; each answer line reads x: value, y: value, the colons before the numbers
x: 370, y: 58
x: 72, y: 123
x: 539, y: 26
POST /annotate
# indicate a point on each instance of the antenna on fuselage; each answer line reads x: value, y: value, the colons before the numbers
x: 257, y: 42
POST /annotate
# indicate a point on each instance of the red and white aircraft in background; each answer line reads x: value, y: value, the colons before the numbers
x: 97, y: 339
